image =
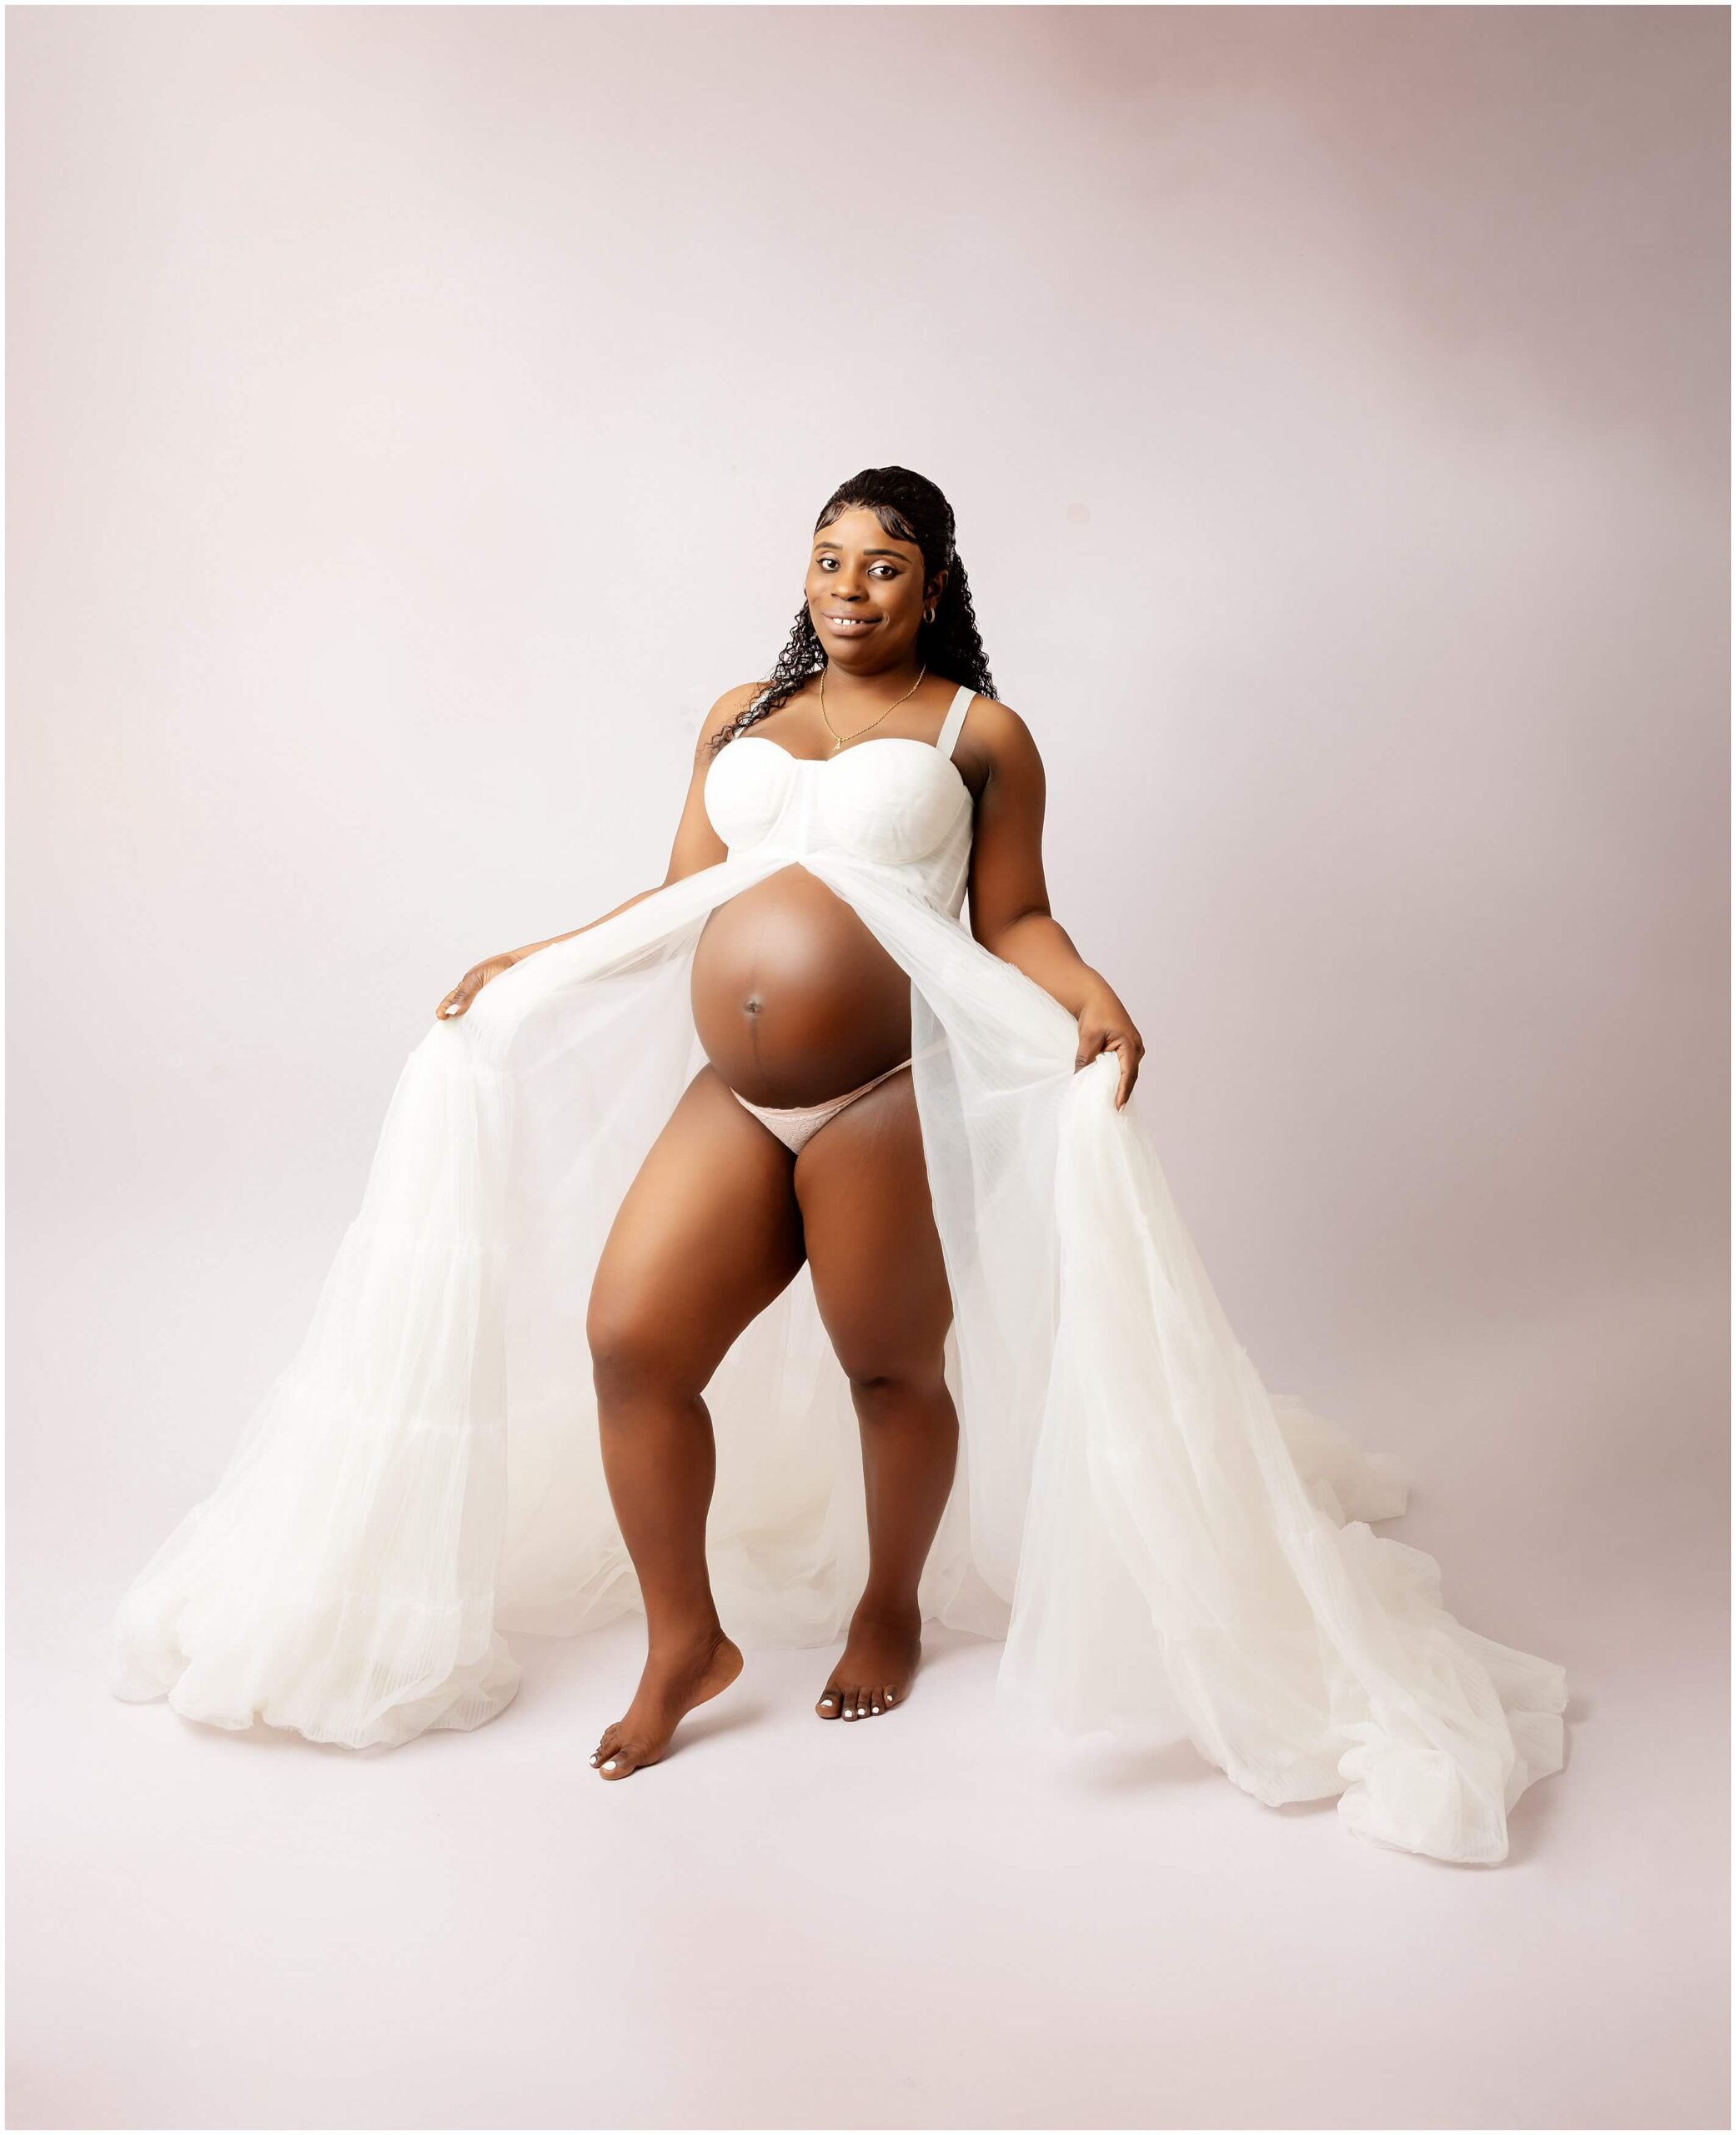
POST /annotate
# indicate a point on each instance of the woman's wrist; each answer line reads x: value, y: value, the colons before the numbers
x: 530, y: 948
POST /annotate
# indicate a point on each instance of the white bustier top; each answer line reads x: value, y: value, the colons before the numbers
x: 901, y: 805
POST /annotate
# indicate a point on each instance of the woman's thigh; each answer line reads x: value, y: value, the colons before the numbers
x: 706, y: 1236
x: 880, y: 1278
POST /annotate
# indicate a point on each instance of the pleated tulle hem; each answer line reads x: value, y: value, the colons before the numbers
x: 337, y: 1704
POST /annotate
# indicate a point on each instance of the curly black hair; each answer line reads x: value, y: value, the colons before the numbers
x: 910, y: 508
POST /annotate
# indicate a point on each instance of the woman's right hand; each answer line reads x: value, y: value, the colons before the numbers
x: 471, y: 983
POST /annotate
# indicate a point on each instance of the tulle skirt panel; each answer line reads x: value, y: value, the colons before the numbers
x: 1160, y: 1541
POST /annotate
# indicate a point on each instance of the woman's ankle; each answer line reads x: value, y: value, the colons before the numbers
x: 896, y: 1612
x: 675, y: 1636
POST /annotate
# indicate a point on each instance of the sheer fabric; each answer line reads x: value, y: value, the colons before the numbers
x: 1159, y: 1541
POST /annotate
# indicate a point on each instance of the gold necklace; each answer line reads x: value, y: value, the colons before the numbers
x: 842, y: 738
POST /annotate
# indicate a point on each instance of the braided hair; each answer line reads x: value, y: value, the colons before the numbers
x: 910, y: 508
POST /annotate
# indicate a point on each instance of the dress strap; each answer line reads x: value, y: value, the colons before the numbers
x: 947, y: 738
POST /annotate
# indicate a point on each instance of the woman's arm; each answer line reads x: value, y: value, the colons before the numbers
x: 1010, y: 912
x: 696, y: 845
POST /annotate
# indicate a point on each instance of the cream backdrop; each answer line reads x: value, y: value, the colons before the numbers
x: 416, y: 419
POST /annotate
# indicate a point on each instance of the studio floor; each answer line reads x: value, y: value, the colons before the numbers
x: 930, y: 1920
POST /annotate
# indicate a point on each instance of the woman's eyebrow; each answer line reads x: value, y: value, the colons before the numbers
x: 893, y: 553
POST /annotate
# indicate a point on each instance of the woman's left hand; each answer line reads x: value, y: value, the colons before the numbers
x: 1104, y: 1023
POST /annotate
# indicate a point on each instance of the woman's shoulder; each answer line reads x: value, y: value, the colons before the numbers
x: 727, y: 710
x: 993, y: 717
x: 736, y: 701
x: 996, y: 737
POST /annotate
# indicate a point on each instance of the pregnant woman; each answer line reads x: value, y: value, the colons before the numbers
x: 780, y: 1258
x: 800, y: 1141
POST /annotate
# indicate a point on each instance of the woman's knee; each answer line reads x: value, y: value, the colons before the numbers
x: 885, y: 1383
x: 891, y: 1346
x: 634, y: 1354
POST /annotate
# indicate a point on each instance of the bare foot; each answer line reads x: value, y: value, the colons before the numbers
x: 676, y: 1678
x: 879, y: 1662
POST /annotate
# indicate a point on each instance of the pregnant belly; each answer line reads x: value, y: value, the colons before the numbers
x: 794, y: 999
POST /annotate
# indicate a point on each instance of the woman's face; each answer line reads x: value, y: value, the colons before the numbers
x: 866, y: 593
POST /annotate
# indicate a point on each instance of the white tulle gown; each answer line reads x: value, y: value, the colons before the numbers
x: 1160, y: 1542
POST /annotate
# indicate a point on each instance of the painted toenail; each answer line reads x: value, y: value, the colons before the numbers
x: 594, y: 1756
x: 825, y: 1700
x: 876, y: 1708
x: 610, y: 1766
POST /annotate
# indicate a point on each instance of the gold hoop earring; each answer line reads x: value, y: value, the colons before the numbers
x: 928, y: 614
